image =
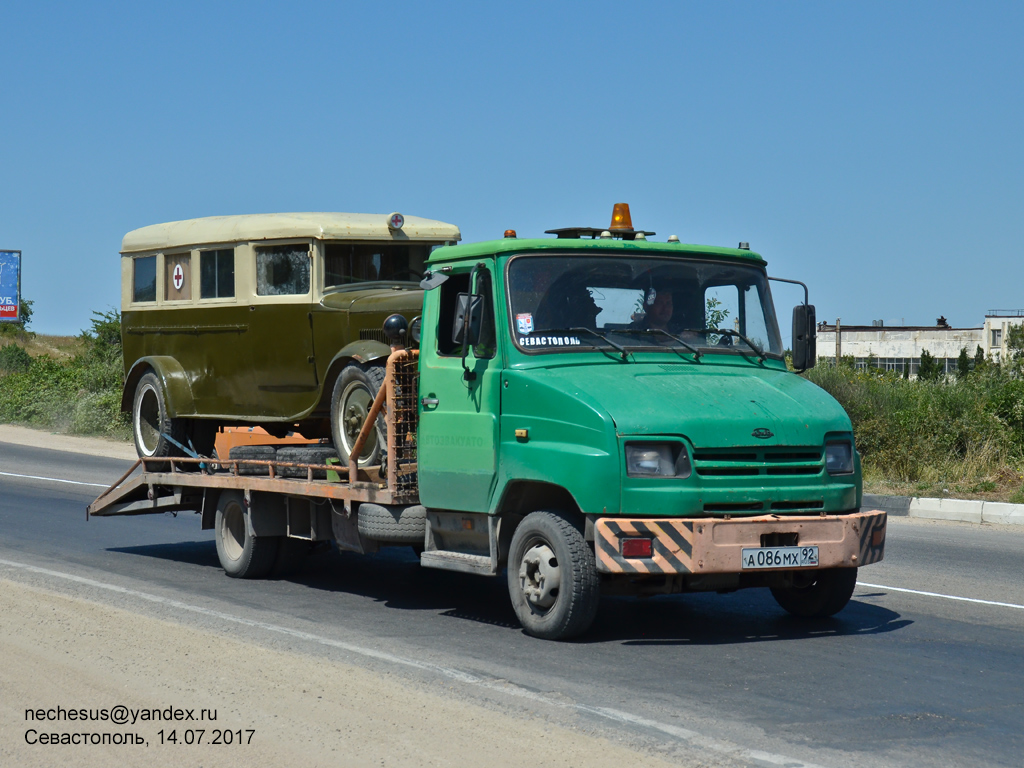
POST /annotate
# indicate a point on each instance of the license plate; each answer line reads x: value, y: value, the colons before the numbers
x: 780, y: 557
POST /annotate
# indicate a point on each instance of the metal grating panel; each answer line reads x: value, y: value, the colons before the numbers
x: 405, y: 407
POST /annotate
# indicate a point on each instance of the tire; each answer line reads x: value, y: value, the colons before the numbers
x: 305, y: 454
x: 150, y: 421
x: 826, y: 594
x: 353, y: 395
x: 241, y: 555
x: 552, y: 577
x: 392, y: 524
x: 295, y: 454
x: 253, y: 453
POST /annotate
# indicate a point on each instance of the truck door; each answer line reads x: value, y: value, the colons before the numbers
x: 459, y: 399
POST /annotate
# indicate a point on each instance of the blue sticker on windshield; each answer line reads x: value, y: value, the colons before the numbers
x: 524, y: 322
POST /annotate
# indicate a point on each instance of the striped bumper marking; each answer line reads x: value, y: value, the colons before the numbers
x: 672, y: 546
x: 872, y: 540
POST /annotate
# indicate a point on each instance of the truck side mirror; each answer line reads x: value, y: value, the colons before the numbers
x: 471, y: 304
x: 805, y: 349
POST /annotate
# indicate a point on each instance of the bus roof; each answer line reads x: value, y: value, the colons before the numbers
x: 275, y: 226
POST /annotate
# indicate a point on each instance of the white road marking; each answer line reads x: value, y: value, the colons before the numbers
x: 55, y: 480
x: 939, y: 594
x: 694, y: 738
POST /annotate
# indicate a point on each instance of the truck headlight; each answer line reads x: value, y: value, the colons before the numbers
x: 839, y: 458
x: 657, y: 460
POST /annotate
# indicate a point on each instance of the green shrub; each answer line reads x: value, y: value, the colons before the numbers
x: 944, y: 430
x: 14, y: 359
x: 81, y: 395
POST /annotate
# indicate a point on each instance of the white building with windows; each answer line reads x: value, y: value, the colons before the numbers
x: 896, y: 348
x: 997, y: 323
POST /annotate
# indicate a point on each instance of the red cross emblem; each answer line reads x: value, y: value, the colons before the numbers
x: 179, y: 277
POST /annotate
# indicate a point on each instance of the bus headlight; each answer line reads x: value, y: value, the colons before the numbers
x: 649, y: 459
x: 839, y: 458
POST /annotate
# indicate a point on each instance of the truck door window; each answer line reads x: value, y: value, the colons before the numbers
x: 282, y: 270
x: 144, y: 279
x: 217, y: 274
x: 486, y: 346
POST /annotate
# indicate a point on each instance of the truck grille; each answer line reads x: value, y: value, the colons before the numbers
x: 752, y: 462
x: 373, y: 334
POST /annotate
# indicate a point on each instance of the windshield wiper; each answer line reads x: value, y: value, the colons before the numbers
x: 696, y: 352
x: 761, y: 354
x: 622, y: 350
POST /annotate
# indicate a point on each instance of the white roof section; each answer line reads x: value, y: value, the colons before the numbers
x: 214, y: 230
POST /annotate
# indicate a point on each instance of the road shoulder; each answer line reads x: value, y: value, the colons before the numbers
x: 92, y: 446
x: 64, y: 651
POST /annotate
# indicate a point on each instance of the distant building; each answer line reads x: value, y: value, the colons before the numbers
x: 895, y: 348
x: 997, y: 322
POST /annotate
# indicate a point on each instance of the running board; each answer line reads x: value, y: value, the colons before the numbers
x: 445, y: 560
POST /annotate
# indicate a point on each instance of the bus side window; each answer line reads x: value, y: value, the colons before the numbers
x: 217, y: 274
x: 282, y: 270
x: 144, y: 279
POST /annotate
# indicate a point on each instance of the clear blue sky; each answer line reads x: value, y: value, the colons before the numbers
x: 874, y: 150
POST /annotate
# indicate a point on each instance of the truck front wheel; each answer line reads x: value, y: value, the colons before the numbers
x: 817, y: 594
x: 552, y: 577
x: 241, y: 555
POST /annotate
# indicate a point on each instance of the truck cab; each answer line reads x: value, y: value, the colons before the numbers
x: 633, y: 391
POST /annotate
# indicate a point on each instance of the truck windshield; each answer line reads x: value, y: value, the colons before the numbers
x: 640, y: 303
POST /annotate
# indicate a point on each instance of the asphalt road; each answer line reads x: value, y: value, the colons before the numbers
x: 897, y: 679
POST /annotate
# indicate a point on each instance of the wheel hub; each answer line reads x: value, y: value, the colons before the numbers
x: 540, y: 576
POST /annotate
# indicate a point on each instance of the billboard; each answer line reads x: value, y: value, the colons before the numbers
x: 10, y: 286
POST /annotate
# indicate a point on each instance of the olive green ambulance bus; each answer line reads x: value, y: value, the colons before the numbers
x: 269, y: 319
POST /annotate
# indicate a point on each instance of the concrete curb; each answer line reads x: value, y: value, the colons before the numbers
x: 958, y: 510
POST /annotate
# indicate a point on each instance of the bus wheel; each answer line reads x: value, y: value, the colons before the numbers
x: 817, y: 594
x: 150, y: 422
x: 241, y: 555
x: 552, y: 577
x: 353, y: 396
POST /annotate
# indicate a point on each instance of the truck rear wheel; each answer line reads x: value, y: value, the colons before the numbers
x: 817, y: 594
x: 241, y: 555
x: 552, y: 577
x: 351, y: 400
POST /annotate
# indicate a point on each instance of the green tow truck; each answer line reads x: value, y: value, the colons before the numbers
x: 593, y: 413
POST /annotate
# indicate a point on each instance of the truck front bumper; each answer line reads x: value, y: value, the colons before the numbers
x: 714, y: 545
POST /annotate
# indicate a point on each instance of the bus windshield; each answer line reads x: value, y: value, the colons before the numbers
x: 563, y: 303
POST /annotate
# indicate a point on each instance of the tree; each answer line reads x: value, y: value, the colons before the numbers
x: 930, y: 369
x: 714, y: 314
x: 1015, y: 342
x: 979, y: 359
x: 963, y: 364
x: 25, y: 313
